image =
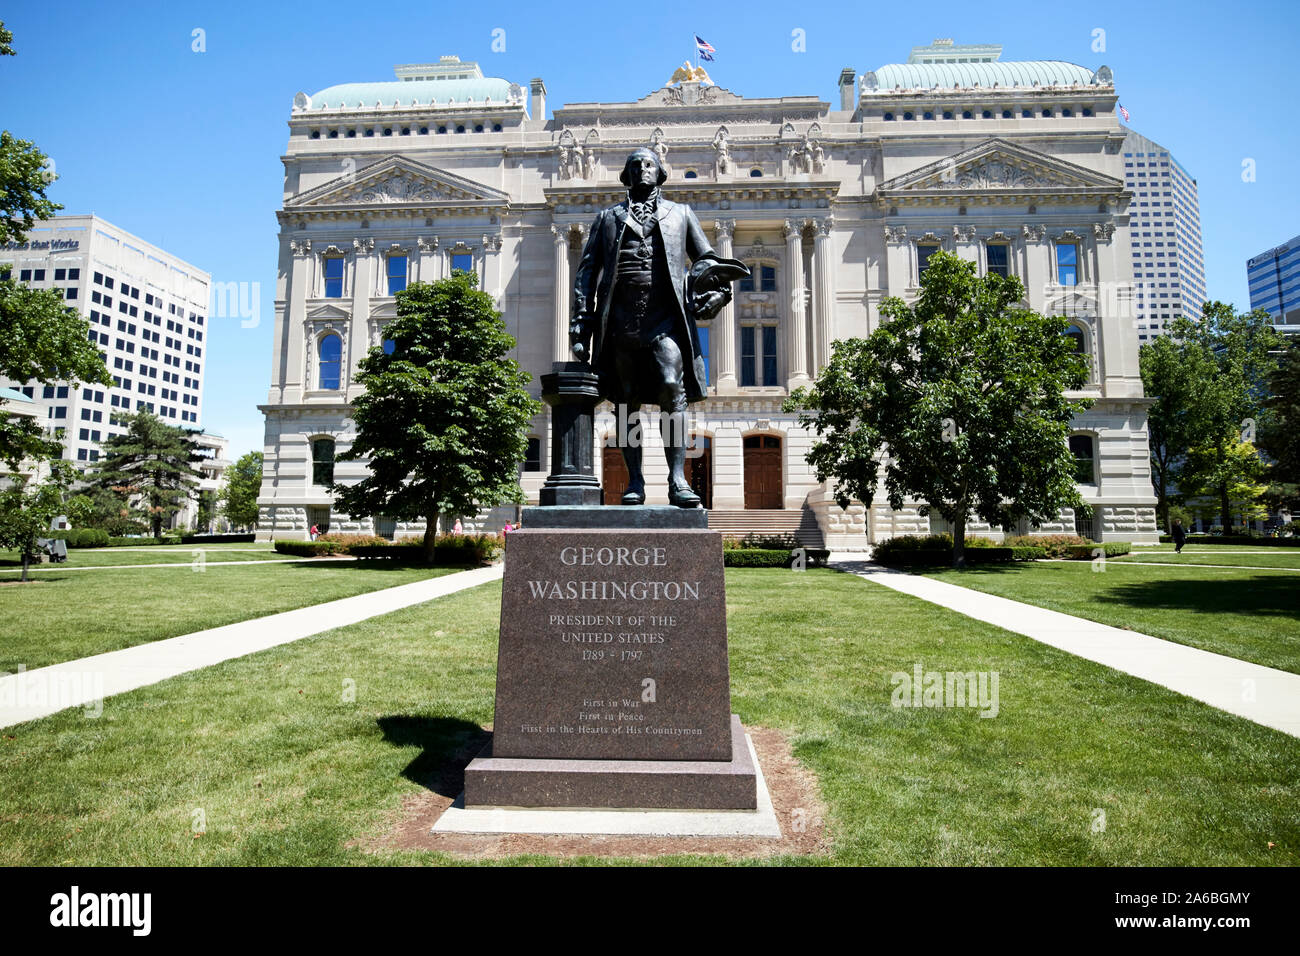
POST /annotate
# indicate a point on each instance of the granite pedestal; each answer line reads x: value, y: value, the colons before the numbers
x: 613, y: 687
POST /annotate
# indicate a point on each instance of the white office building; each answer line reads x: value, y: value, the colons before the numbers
x: 1168, y: 256
x: 147, y: 311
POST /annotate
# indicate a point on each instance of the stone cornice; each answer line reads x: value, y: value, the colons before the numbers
x: 599, y: 195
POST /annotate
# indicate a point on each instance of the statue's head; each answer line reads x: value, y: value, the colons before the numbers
x: 643, y: 168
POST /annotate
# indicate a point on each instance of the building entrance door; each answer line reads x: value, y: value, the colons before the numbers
x: 763, y: 486
x: 699, y: 469
x: 613, y: 475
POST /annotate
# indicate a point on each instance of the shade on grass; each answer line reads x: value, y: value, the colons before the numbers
x: 1248, y: 614
x: 64, y: 615
x: 287, y: 770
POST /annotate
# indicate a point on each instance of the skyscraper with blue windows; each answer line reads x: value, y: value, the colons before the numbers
x: 1274, y: 278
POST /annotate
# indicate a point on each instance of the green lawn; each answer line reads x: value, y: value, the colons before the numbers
x: 1261, y: 558
x: 1250, y: 614
x: 62, y: 615
x: 285, y: 771
x: 11, y: 563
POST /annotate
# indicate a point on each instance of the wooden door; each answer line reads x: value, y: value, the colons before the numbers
x: 613, y: 472
x: 699, y: 469
x: 763, y: 486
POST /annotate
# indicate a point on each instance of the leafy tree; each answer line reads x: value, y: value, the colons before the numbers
x: 1216, y: 400
x: 243, y: 485
x: 24, y: 176
x: 1279, y: 433
x: 29, y: 504
x: 959, y: 398
x: 1230, y: 471
x: 444, y: 417
x: 6, y: 38
x: 151, y: 460
x: 1182, y: 377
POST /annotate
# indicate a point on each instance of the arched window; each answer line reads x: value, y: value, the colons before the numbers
x: 690, y: 174
x: 1081, y: 447
x: 755, y: 173
x: 1077, y: 336
x: 330, y: 352
x: 322, y: 461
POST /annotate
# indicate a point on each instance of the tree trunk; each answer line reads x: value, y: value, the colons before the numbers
x: 959, y: 541
x: 430, y: 535
x: 26, y: 560
x: 1162, y: 503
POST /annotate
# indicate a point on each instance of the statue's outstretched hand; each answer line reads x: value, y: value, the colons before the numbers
x: 578, y: 339
x: 711, y: 303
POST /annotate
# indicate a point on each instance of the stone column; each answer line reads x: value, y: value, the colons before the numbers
x: 358, y: 337
x: 824, y: 269
x: 560, y: 350
x: 288, y: 361
x: 724, y: 326
x: 492, y: 284
x: 428, y: 259
x: 796, y: 334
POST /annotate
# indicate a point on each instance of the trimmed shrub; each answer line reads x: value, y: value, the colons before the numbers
x: 1056, y: 545
x: 218, y: 538
x: 1285, y: 542
x: 83, y: 537
x: 308, y: 549
x: 1084, y: 552
x: 756, y: 558
x: 931, y: 542
x: 139, y: 542
x: 939, y: 558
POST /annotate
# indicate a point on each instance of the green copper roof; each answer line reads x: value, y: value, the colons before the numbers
x: 413, y: 93
x: 13, y: 395
x: 1012, y: 74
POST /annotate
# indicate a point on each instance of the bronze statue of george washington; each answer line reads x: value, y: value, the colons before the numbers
x: 636, y: 302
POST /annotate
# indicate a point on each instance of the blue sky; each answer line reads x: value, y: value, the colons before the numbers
x: 182, y: 148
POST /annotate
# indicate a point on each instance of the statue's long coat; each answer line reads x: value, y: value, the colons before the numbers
x: 682, y: 241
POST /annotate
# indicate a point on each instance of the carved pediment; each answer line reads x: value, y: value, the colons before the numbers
x: 997, y: 165
x: 398, y: 181
x: 327, y: 313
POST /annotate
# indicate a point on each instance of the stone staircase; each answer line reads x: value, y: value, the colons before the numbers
x: 796, y: 527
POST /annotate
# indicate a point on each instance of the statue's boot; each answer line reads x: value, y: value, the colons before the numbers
x: 635, y: 494
x: 679, y: 492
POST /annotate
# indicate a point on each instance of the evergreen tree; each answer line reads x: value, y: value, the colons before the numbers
x: 151, y: 461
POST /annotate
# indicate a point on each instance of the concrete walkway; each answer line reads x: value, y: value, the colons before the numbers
x: 29, y: 695
x: 1263, y: 694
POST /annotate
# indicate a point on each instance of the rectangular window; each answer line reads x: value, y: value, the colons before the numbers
x: 396, y: 274
x: 463, y: 261
x: 923, y: 253
x: 533, y: 457
x: 769, y: 355
x: 1067, y: 263
x: 997, y: 254
x: 333, y: 279
x: 768, y: 280
x: 748, y: 356
x: 60, y: 275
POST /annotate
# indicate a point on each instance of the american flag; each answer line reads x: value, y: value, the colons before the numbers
x: 704, y: 48
x: 1122, y: 112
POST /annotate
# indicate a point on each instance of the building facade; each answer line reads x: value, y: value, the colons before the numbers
x: 835, y: 206
x: 1168, y: 255
x: 1274, y: 277
x: 147, y: 311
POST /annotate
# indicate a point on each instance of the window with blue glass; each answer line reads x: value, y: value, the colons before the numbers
x: 760, y: 279
x: 923, y: 253
x: 396, y: 274
x: 1067, y: 263
x: 769, y: 355
x: 389, y: 345
x: 997, y: 258
x: 748, y: 355
x: 334, y: 277
x: 463, y: 261
x: 1076, y: 336
x: 330, y: 353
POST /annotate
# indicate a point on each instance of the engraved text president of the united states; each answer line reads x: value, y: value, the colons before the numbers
x: 635, y: 307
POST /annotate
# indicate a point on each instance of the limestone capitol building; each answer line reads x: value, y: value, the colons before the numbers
x: 1013, y: 165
